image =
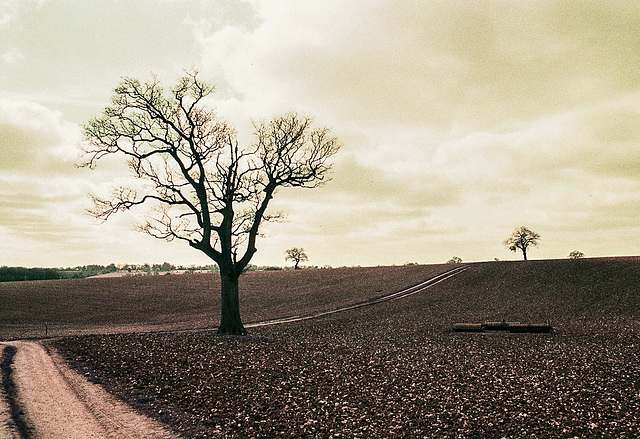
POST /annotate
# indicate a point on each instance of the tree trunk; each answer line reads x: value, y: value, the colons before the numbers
x: 230, y: 322
x: 524, y: 252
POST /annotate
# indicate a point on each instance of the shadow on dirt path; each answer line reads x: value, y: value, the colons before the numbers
x: 52, y: 401
x: 12, y: 420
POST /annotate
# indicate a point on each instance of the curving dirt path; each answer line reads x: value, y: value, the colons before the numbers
x: 56, y: 402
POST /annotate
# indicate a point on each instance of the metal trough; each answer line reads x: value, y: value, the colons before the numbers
x: 498, y: 326
x: 515, y: 327
x: 535, y: 328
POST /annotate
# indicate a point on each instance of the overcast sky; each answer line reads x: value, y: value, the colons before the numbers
x: 460, y: 120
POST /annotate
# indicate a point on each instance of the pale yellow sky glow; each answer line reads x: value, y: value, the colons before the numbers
x: 460, y: 120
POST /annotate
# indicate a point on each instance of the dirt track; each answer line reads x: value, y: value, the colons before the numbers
x: 58, y: 403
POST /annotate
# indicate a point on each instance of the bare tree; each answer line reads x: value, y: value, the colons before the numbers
x: 521, y: 239
x: 201, y: 186
x: 296, y: 255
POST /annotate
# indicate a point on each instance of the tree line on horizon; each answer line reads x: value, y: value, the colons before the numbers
x: 13, y: 274
x: 16, y: 274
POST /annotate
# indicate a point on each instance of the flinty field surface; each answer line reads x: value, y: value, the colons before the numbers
x: 395, y: 369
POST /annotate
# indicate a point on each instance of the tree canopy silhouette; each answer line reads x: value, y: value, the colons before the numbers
x: 576, y: 255
x: 296, y: 255
x: 201, y: 186
x: 521, y: 239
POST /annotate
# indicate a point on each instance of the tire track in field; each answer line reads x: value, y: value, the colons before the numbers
x: 418, y: 288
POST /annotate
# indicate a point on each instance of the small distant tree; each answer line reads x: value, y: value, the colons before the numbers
x: 296, y: 255
x: 521, y: 239
x: 454, y: 260
x: 576, y: 255
x: 167, y: 267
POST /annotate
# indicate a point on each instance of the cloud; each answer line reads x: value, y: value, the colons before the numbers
x: 371, y: 183
x: 71, y: 54
x: 479, y: 116
x: 35, y: 140
x: 41, y: 194
x: 434, y: 63
x: 8, y: 10
x: 12, y: 56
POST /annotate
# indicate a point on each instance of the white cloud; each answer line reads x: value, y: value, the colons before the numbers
x: 8, y: 9
x: 12, y: 56
x: 41, y: 194
x: 436, y: 63
x: 35, y: 140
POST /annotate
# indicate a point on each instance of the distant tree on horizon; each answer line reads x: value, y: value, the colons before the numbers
x: 454, y: 260
x: 576, y: 255
x: 521, y: 239
x: 200, y: 185
x: 296, y: 255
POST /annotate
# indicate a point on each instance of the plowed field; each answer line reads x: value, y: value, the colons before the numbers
x: 396, y: 369
x: 126, y: 304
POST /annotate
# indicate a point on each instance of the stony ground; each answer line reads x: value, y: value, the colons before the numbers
x: 397, y: 369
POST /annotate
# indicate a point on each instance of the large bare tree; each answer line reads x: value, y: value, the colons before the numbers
x: 521, y: 239
x: 200, y: 185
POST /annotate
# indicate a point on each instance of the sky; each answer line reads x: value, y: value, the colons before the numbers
x: 460, y: 120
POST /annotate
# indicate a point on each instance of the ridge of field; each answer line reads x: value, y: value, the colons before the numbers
x: 397, y: 369
x: 188, y: 301
x: 577, y: 297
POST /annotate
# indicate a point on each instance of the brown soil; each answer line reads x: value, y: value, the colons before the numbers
x: 187, y: 301
x: 397, y: 369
